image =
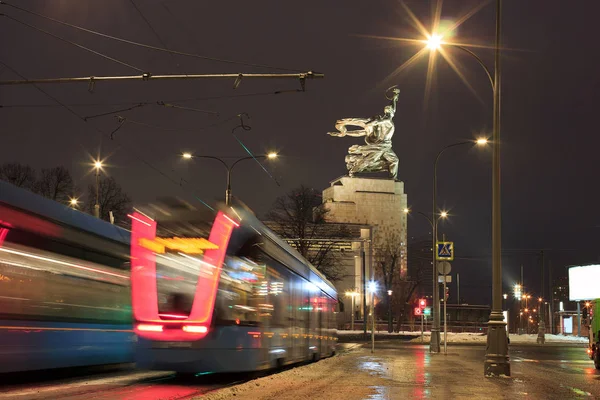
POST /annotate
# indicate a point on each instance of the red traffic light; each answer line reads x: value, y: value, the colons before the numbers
x: 418, y: 311
x: 422, y: 303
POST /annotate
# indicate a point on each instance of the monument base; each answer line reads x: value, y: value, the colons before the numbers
x: 373, y: 201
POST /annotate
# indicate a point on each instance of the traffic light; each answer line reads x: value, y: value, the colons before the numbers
x: 447, y: 293
x: 422, y: 303
x: 585, y: 313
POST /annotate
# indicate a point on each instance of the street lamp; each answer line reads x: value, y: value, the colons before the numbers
x: 517, y: 291
x: 352, y: 294
x: 372, y: 289
x: 496, y: 360
x: 229, y: 168
x: 434, y: 344
x: 73, y: 202
x: 98, y: 167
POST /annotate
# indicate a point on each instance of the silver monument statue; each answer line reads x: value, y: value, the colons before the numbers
x: 377, y: 154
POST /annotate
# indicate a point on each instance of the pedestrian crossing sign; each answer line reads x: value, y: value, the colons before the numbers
x: 445, y: 251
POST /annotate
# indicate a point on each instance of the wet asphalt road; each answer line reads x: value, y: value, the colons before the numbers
x: 399, y: 370
x: 537, y: 372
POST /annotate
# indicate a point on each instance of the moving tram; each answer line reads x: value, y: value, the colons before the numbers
x: 217, y: 291
x: 64, y: 286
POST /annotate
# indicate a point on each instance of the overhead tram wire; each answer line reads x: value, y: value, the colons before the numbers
x: 247, y: 128
x: 115, y: 112
x: 132, y: 121
x: 73, y: 43
x: 132, y: 103
x: 131, y: 151
x: 131, y: 42
x: 139, y: 11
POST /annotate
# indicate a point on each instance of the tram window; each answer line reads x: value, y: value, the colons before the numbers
x: 29, y: 239
x: 240, y: 292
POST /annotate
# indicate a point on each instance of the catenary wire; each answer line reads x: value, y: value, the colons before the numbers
x: 132, y: 152
x: 131, y: 42
x: 74, y: 43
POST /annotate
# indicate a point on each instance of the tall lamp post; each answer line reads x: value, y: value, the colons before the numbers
x: 372, y: 289
x: 496, y: 360
x: 98, y: 168
x: 434, y: 344
x: 189, y: 156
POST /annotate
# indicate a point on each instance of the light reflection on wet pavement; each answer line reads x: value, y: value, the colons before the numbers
x: 537, y: 372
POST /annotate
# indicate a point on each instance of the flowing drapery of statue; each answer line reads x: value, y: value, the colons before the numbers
x: 377, y: 155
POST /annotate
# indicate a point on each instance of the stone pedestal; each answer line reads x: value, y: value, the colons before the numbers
x: 377, y: 202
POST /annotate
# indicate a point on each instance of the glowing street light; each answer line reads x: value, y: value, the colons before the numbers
x: 372, y: 286
x: 517, y: 291
x: 73, y: 202
x: 98, y: 167
x: 482, y: 141
x: 272, y: 155
x: 434, y: 42
x: 187, y: 156
x: 444, y: 214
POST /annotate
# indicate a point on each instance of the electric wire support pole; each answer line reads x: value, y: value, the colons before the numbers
x: 91, y: 80
x: 496, y: 358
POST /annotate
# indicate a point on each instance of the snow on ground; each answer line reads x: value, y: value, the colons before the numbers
x: 514, y: 339
x: 332, y: 378
x: 467, y: 337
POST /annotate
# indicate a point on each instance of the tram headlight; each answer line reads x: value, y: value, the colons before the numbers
x: 149, y: 328
x: 195, y: 329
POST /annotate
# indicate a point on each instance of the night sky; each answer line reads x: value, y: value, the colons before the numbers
x: 549, y: 110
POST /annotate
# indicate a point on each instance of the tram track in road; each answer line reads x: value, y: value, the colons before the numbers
x: 77, y: 386
x: 131, y: 385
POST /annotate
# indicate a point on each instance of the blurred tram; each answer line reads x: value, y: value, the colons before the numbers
x: 220, y: 292
x: 64, y: 286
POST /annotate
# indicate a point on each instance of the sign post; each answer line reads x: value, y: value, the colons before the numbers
x: 445, y: 253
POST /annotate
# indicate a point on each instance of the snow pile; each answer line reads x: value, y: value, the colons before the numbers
x: 514, y: 339
x: 379, y: 333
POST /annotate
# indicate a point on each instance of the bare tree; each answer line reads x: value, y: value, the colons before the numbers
x: 299, y: 217
x: 110, y: 198
x: 18, y: 174
x: 388, y: 260
x: 56, y: 184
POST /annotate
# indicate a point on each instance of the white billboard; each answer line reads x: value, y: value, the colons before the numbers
x: 584, y: 282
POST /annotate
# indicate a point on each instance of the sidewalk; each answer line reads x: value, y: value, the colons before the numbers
x: 411, y: 372
x: 454, y: 338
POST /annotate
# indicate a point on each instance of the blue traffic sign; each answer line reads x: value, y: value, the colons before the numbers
x: 445, y: 251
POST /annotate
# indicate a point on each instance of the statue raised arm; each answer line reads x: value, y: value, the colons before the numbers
x: 377, y: 155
